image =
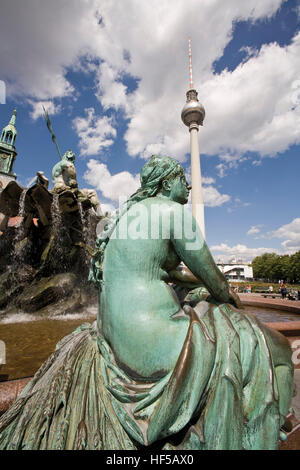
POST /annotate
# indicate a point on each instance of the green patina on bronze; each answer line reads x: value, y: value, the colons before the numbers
x: 199, y: 373
x: 64, y: 179
x: 64, y: 173
x: 8, y: 151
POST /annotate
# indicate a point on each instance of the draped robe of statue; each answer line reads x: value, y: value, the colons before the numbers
x: 153, y: 371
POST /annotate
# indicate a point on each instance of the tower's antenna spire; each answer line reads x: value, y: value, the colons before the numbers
x: 193, y: 115
x: 191, y: 65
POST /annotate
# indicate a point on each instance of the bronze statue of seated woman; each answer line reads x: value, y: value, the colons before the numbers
x: 196, y: 374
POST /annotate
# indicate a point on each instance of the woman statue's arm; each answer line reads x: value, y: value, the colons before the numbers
x: 183, y: 275
x: 194, y: 252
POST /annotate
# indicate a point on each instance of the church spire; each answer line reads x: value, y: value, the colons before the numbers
x: 9, y: 132
x: 12, y: 121
x: 8, y: 151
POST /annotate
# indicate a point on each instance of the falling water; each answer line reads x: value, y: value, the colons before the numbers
x: 31, y: 181
x: 91, y: 239
x: 82, y: 218
x: 22, y: 203
x: 83, y: 222
x: 20, y: 231
x: 86, y: 230
x: 57, y: 229
x: 56, y: 215
x: 86, y: 225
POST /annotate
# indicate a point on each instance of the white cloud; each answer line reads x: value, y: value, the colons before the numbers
x: 254, y: 230
x: 229, y: 161
x: 221, y: 169
x: 111, y: 91
x: 237, y: 203
x: 37, y: 108
x: 208, y: 180
x: 291, y: 233
x: 249, y: 51
x: 251, y: 108
x: 122, y: 185
x: 94, y: 132
x: 160, y: 66
x: 240, y: 251
x: 110, y: 208
x: 239, y: 109
x: 114, y: 187
x: 147, y: 41
x: 232, y: 159
x: 213, y: 198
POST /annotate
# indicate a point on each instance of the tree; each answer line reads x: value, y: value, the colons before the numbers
x: 266, y: 266
x: 275, y: 267
x: 295, y: 267
x: 285, y: 268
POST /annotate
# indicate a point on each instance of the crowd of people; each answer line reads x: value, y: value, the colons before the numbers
x: 285, y: 294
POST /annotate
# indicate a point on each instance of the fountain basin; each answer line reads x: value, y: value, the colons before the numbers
x: 256, y: 300
x: 30, y: 338
x: 47, y: 332
x: 285, y: 318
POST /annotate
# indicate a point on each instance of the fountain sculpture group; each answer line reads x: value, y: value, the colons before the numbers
x: 47, y: 242
x: 155, y: 370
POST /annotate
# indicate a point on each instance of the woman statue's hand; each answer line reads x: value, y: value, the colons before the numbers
x: 235, y: 300
x: 183, y: 275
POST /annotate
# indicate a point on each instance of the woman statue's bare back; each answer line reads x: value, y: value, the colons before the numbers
x: 141, y: 316
x: 137, y: 304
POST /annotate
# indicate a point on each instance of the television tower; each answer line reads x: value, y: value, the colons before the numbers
x: 192, y: 115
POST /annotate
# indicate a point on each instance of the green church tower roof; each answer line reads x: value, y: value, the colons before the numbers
x: 8, y: 151
x: 12, y: 121
x: 9, y: 132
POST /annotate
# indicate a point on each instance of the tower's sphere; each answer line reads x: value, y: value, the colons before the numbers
x: 193, y: 112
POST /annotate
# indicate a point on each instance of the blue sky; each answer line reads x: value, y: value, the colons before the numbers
x: 114, y: 82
